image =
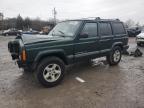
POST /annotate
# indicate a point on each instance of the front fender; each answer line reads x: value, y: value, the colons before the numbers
x: 41, y: 55
x: 47, y: 53
x: 117, y: 44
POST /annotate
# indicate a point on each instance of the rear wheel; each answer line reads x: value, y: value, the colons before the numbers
x: 50, y: 71
x: 115, y: 56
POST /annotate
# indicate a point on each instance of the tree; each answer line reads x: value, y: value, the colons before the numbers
x: 130, y: 23
x: 27, y: 23
x: 19, y: 22
x: 36, y: 24
x: 138, y: 24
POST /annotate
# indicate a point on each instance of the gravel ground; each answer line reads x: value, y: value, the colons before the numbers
x: 119, y: 86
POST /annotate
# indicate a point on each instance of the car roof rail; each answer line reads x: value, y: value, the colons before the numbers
x: 100, y: 19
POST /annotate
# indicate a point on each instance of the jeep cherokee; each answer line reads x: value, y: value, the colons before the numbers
x: 69, y: 42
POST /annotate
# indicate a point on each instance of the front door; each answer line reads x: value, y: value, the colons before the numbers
x: 87, y: 44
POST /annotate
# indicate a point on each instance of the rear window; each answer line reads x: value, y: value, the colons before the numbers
x: 118, y: 28
x: 105, y: 29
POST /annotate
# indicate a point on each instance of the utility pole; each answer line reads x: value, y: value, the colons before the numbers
x: 1, y: 22
x: 54, y: 14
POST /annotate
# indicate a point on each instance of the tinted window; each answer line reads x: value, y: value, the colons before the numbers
x: 105, y: 29
x: 118, y: 28
x: 90, y: 29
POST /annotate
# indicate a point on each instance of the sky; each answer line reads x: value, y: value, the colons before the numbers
x: 73, y: 9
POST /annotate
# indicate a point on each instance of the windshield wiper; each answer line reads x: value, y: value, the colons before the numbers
x: 62, y: 33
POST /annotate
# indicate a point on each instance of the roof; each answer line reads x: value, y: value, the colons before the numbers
x: 95, y: 19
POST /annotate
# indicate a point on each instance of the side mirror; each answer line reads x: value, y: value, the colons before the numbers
x: 85, y: 35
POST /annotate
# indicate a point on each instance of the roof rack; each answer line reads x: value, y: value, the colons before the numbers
x: 98, y: 18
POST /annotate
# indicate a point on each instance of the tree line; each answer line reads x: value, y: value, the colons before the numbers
x: 26, y: 23
x: 37, y: 24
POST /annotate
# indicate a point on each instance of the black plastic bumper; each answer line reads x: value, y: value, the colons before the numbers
x: 21, y: 64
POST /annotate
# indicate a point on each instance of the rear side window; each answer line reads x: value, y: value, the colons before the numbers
x: 90, y: 29
x: 105, y: 29
x: 118, y: 28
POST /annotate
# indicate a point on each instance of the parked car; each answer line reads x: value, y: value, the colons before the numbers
x: 133, y: 32
x: 31, y: 32
x: 69, y: 42
x: 43, y: 33
x: 140, y: 38
x: 11, y: 32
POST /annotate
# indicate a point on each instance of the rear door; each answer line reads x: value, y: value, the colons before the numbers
x: 119, y: 33
x: 86, y: 48
x: 106, y: 36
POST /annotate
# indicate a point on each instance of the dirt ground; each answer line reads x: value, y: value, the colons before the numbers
x: 119, y: 86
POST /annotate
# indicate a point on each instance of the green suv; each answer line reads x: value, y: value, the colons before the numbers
x: 69, y: 42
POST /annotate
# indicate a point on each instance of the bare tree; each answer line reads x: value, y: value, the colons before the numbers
x: 19, y: 22
x: 27, y: 23
x: 130, y: 23
x: 138, y: 24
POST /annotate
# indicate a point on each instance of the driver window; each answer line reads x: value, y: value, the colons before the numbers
x: 90, y: 29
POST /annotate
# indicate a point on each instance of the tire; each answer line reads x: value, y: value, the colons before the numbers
x: 46, y: 72
x: 115, y: 56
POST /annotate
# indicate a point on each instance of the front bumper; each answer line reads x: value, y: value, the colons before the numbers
x: 21, y: 64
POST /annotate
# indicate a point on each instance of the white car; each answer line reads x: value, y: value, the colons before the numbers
x: 140, y: 38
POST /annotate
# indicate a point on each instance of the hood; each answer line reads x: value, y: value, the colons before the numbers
x: 28, y: 39
x: 141, y: 35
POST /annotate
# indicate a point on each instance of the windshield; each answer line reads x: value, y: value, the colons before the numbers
x: 67, y: 28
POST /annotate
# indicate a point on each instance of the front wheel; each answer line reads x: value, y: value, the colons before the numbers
x: 115, y: 56
x: 50, y: 71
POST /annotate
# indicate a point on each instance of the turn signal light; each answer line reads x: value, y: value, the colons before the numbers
x: 23, y: 56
